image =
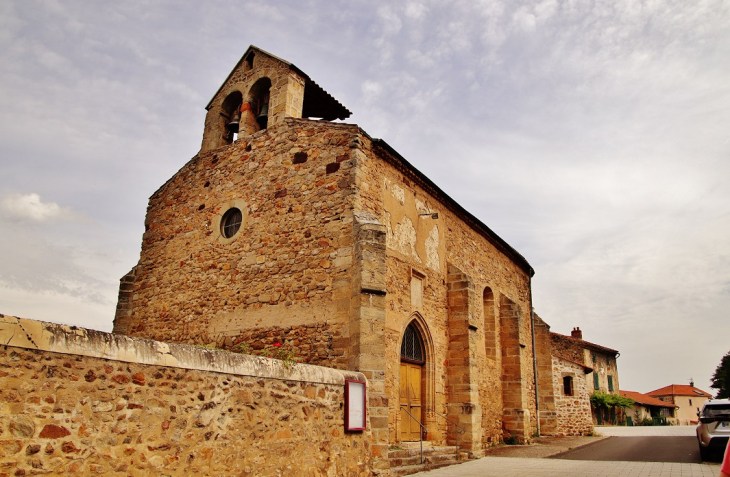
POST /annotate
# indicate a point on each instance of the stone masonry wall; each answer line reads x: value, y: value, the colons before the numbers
x: 424, y: 246
x: 573, y: 412
x: 599, y: 358
x: 75, y: 401
x: 546, y: 391
x: 288, y: 267
x: 567, y: 348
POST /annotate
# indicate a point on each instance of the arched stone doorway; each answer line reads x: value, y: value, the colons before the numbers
x: 413, y: 395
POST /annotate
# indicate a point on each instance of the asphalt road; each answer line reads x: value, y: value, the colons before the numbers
x: 638, y: 449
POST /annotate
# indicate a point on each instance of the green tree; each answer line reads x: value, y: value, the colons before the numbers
x: 721, y: 378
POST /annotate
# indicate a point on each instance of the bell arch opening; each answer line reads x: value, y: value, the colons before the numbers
x: 231, y: 113
x: 258, y: 100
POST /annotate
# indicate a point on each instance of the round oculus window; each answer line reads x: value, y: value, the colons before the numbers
x: 231, y: 222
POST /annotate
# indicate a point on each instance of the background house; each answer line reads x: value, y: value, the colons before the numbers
x: 647, y: 406
x: 570, y: 370
x: 687, y: 399
x: 600, y: 360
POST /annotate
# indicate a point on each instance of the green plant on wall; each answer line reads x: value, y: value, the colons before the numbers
x: 606, y: 401
x: 285, y: 355
x: 242, y: 348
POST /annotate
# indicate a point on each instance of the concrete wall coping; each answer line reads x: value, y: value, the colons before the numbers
x: 74, y: 340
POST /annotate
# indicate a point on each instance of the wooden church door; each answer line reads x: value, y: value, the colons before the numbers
x: 411, y: 377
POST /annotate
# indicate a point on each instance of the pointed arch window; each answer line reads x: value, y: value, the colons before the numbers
x: 411, y: 349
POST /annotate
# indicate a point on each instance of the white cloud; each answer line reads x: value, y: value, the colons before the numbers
x: 31, y: 207
x: 524, y: 19
x: 390, y: 21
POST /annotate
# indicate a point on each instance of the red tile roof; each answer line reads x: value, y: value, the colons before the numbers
x: 644, y: 399
x: 678, y: 390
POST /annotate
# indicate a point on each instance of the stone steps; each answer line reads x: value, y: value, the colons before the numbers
x: 408, y: 461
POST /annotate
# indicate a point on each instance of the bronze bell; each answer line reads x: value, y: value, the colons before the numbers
x: 233, y: 125
x: 263, y: 117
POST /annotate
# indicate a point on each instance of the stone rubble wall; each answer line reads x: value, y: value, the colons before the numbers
x: 77, y: 401
x: 288, y: 267
x: 573, y: 412
x: 426, y: 246
x: 567, y: 348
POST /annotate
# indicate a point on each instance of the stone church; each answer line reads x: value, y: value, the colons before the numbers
x: 290, y: 228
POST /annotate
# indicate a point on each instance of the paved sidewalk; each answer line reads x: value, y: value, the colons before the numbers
x: 507, y: 461
x: 511, y: 466
x: 625, y: 431
x: 543, y: 447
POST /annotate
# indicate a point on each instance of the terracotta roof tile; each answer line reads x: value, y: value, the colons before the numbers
x: 678, y: 390
x: 644, y: 399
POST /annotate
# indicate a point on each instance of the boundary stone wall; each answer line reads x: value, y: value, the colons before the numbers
x: 80, y: 401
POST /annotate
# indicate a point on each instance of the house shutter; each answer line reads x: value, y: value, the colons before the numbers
x: 610, y: 383
x: 595, y: 381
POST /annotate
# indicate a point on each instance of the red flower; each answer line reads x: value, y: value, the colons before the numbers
x: 277, y: 345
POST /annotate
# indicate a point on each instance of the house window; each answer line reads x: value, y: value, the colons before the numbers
x: 690, y: 402
x: 595, y: 381
x: 610, y: 383
x: 568, y: 385
x: 231, y: 222
x: 608, y: 361
x: 593, y: 355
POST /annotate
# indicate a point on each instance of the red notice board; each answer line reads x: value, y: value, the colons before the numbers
x: 355, y: 407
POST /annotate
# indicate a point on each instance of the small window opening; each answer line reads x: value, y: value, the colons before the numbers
x: 231, y: 222
x: 568, y: 385
x: 248, y: 62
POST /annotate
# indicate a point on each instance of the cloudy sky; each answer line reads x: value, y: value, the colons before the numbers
x: 592, y: 135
